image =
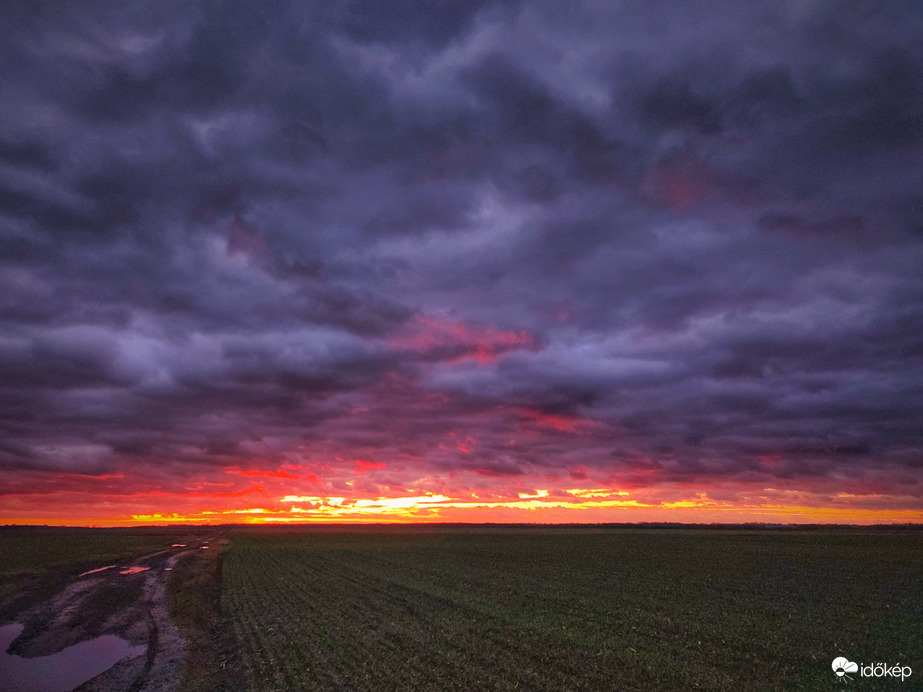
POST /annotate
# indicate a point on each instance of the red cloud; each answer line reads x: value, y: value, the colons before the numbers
x: 363, y: 466
x: 453, y: 341
x: 681, y: 181
x: 268, y: 474
x: 561, y: 423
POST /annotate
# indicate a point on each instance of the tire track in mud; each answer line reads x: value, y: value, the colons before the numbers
x: 150, y: 655
x: 161, y: 669
x: 131, y: 605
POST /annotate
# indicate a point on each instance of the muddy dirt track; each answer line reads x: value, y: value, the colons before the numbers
x: 130, y: 603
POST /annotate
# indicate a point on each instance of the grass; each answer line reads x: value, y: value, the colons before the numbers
x: 515, y: 608
x: 35, y: 562
x: 569, y: 608
x: 194, y: 604
x: 33, y: 550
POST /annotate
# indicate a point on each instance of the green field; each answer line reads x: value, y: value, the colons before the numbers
x: 569, y: 608
x: 512, y: 608
x: 36, y: 561
x: 35, y: 550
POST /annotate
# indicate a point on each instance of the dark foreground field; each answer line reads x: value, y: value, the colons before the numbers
x: 570, y: 609
x: 65, y: 589
x: 476, y: 608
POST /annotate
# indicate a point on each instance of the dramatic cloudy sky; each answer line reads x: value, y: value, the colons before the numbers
x: 478, y: 261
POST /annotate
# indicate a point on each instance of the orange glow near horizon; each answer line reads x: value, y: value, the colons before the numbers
x: 539, y: 506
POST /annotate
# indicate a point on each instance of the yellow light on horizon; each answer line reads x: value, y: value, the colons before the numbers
x: 538, y: 505
x: 596, y: 492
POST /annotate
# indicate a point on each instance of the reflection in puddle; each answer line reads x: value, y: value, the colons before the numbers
x: 133, y: 570
x: 178, y: 545
x: 94, y: 571
x: 64, y: 670
x: 204, y: 547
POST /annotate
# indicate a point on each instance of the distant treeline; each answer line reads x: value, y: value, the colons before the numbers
x: 432, y: 527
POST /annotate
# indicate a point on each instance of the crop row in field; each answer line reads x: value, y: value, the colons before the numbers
x: 37, y: 561
x: 568, y: 609
x: 35, y: 549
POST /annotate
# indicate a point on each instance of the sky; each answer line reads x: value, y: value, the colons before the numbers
x: 478, y: 261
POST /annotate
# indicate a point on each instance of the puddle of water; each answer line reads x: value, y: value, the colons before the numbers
x: 94, y: 571
x: 63, y: 671
x: 133, y: 570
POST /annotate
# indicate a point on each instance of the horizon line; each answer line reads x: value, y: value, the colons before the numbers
x: 355, y: 524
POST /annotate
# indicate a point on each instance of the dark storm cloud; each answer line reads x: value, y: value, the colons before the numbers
x: 401, y: 22
x: 670, y: 104
x: 496, y: 237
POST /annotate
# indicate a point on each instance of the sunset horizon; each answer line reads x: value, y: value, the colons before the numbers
x: 580, y: 506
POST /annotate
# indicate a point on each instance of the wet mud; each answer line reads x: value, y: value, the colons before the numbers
x: 128, y: 601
